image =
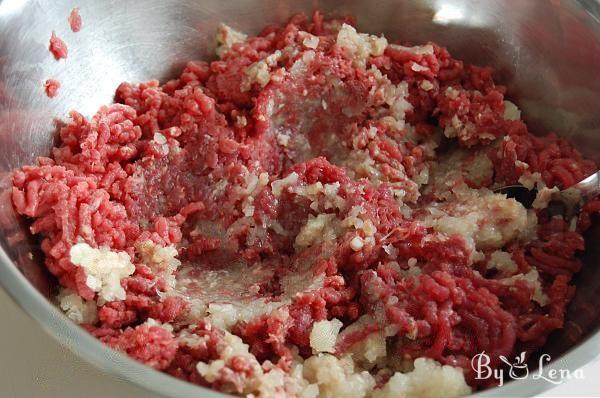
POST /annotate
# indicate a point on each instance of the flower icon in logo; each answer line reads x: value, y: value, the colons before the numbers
x: 518, y: 369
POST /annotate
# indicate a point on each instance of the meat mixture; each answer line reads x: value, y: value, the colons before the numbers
x: 310, y: 215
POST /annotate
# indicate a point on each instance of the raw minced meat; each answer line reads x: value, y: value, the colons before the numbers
x: 58, y: 47
x: 75, y: 20
x: 51, y: 87
x: 311, y: 214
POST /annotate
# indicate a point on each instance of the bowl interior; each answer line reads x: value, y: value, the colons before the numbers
x: 546, y: 52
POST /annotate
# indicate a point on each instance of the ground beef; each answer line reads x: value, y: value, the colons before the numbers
x: 311, y: 177
x: 51, y: 87
x: 58, y: 47
x: 153, y: 345
x: 75, y: 20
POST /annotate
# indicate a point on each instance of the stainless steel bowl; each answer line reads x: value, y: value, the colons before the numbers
x: 546, y: 51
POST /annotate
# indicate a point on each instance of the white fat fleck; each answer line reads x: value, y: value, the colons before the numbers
x: 151, y: 322
x: 277, y: 186
x: 452, y: 93
x: 372, y: 132
x: 226, y: 315
x: 323, y: 227
x: 503, y: 262
x: 426, y: 85
x: 355, y: 220
x: 241, y: 121
x: 310, y: 41
x: 511, y: 112
x: 455, y: 126
x: 226, y: 37
x: 361, y: 46
x: 186, y: 337
x: 104, y: 270
x: 544, y: 197
x: 162, y: 260
x: 530, y: 180
x: 248, y: 210
x: 260, y: 71
x: 371, y: 350
x: 429, y: 379
x: 77, y: 309
x: 159, y: 138
x: 418, y: 50
x: 301, y: 64
x: 254, y: 185
x: 357, y: 243
x: 233, y: 346
x: 521, y: 165
x: 486, y: 221
x: 573, y: 224
x: 532, y: 278
x: 283, y: 139
x: 326, y: 194
x: 390, y: 250
x: 337, y: 377
x: 262, y: 381
x: 323, y: 335
x: 418, y: 67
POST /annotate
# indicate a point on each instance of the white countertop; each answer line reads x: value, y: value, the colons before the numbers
x: 33, y: 365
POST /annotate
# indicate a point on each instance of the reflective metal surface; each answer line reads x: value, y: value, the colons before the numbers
x: 570, y: 200
x: 589, y: 187
x: 546, y: 51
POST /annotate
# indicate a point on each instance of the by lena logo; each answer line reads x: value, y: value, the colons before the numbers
x: 518, y: 369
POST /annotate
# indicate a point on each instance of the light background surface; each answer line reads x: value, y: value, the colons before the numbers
x: 34, y: 365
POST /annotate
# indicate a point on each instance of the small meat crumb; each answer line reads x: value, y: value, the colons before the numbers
x: 75, y: 20
x: 51, y: 87
x: 58, y: 47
